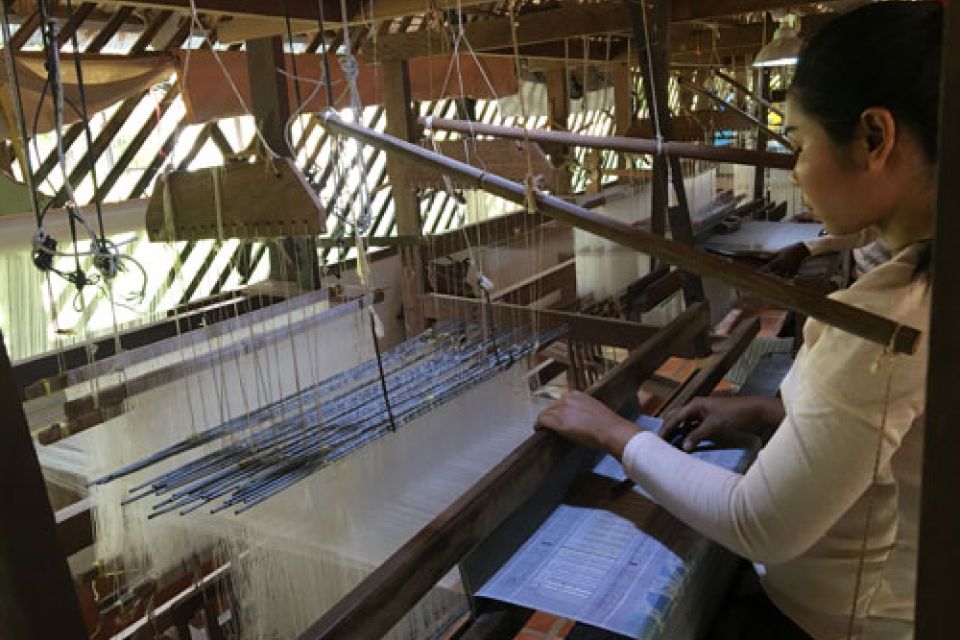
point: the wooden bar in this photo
(618, 143)
(37, 598)
(939, 562)
(713, 368)
(562, 277)
(652, 289)
(374, 606)
(46, 372)
(401, 122)
(848, 318)
(593, 329)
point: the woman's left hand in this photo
(579, 417)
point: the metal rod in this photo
(899, 338)
(614, 143)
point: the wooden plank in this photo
(34, 576)
(43, 373)
(500, 229)
(74, 527)
(939, 562)
(69, 28)
(845, 317)
(371, 609)
(561, 277)
(254, 200)
(593, 329)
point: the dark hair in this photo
(886, 54)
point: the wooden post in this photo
(37, 597)
(298, 261)
(763, 89)
(939, 560)
(653, 56)
(622, 98)
(622, 105)
(401, 122)
(558, 95)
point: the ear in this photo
(877, 131)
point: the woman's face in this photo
(836, 189)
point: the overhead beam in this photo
(358, 11)
(541, 34)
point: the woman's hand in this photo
(723, 420)
(579, 417)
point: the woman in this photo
(829, 510)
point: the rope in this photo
(868, 516)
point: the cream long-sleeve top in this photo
(801, 508)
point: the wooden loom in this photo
(509, 484)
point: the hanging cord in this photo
(654, 110)
(884, 358)
(531, 199)
(374, 326)
(350, 67)
(84, 116)
(195, 17)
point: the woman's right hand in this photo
(728, 421)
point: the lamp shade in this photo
(782, 50)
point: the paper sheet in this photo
(615, 561)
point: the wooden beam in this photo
(622, 99)
(298, 260)
(500, 229)
(593, 329)
(374, 606)
(37, 598)
(845, 317)
(558, 97)
(401, 122)
(359, 11)
(562, 277)
(939, 561)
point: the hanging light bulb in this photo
(784, 49)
